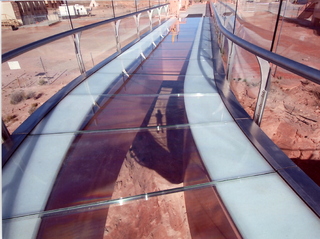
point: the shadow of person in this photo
(149, 153)
(159, 117)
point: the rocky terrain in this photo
(156, 217)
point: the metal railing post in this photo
(136, 5)
(76, 40)
(150, 18)
(159, 14)
(116, 31)
(231, 56)
(265, 70)
(166, 8)
(137, 21)
(114, 12)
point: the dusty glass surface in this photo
(104, 45)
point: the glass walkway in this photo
(146, 147)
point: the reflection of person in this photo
(174, 31)
(159, 120)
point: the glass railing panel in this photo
(155, 2)
(297, 37)
(244, 78)
(143, 4)
(155, 18)
(81, 13)
(144, 23)
(163, 13)
(30, 26)
(32, 78)
(291, 119)
(28, 34)
(101, 10)
(103, 45)
(127, 31)
(226, 12)
(124, 7)
(254, 22)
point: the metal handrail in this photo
(300, 69)
(18, 51)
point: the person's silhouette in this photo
(159, 120)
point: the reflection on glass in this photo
(103, 46)
(245, 79)
(124, 7)
(127, 31)
(144, 23)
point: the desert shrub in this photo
(30, 94)
(9, 118)
(38, 96)
(42, 82)
(33, 108)
(317, 94)
(17, 97)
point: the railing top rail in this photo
(23, 49)
(300, 69)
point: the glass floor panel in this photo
(181, 213)
(64, 170)
(164, 66)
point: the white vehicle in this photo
(74, 10)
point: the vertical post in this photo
(166, 7)
(150, 19)
(44, 69)
(235, 18)
(265, 70)
(136, 4)
(116, 31)
(231, 55)
(69, 14)
(92, 59)
(114, 13)
(276, 26)
(159, 15)
(76, 40)
(137, 21)
(5, 132)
